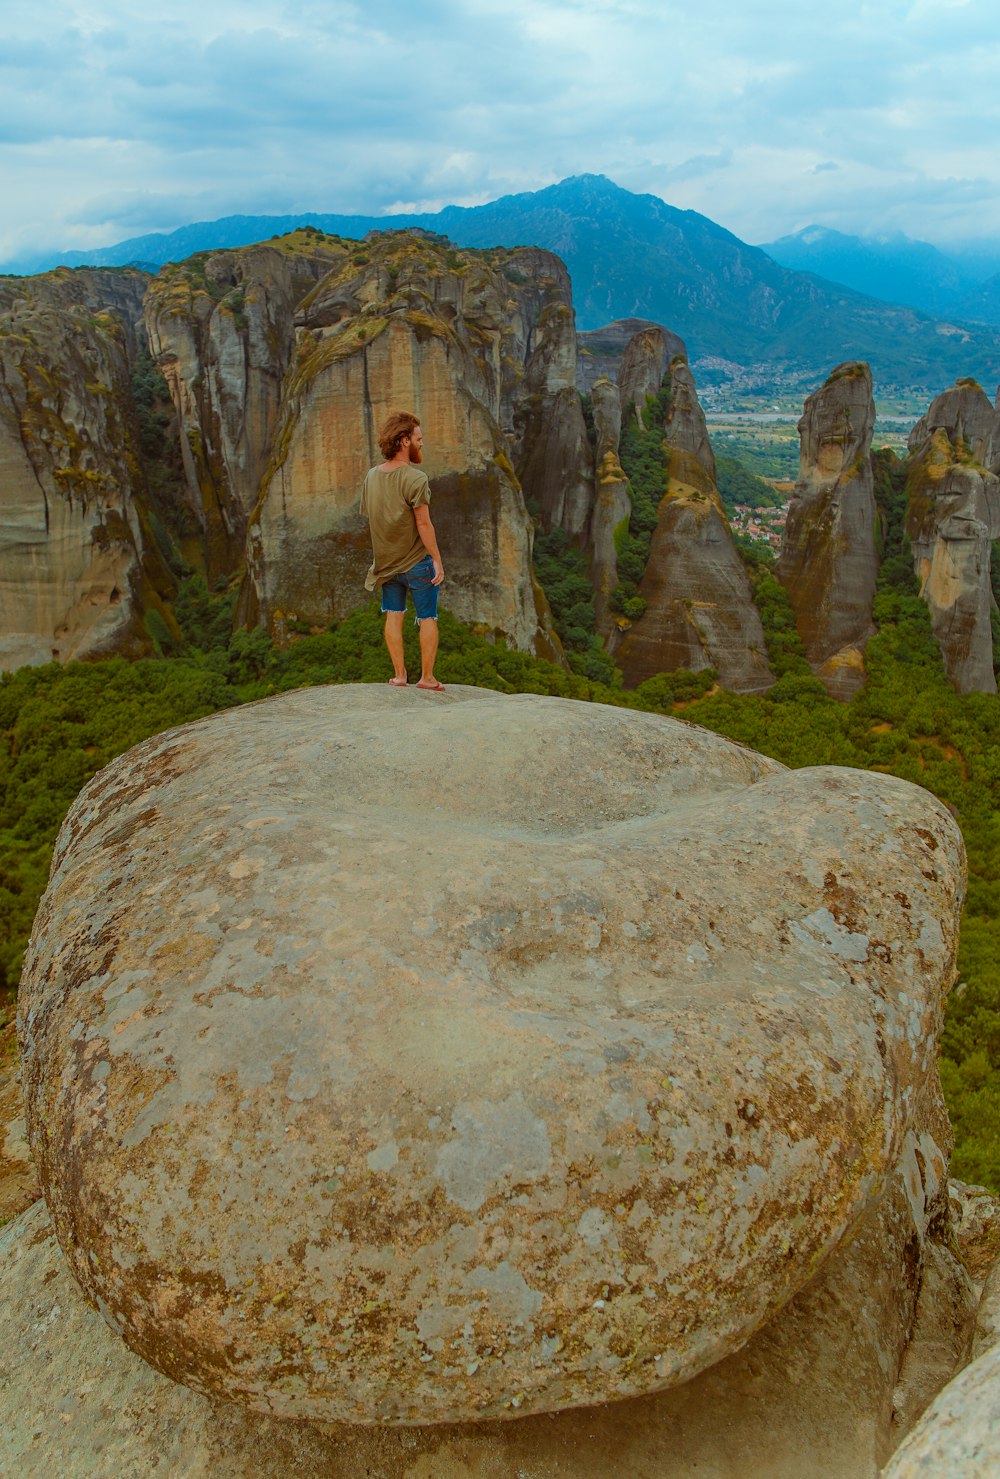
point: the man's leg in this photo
(394, 642)
(428, 651)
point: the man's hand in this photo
(438, 573)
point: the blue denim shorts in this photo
(418, 580)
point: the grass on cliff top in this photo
(60, 725)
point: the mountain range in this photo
(634, 256)
(898, 270)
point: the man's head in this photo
(401, 432)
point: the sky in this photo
(121, 117)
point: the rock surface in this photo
(829, 562)
(77, 567)
(221, 326)
(700, 611)
(809, 1396)
(285, 359)
(959, 1436)
(600, 351)
(953, 516)
(459, 1101)
(612, 504)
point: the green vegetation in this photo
(737, 485)
(762, 453)
(562, 573)
(643, 456)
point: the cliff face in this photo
(221, 328)
(612, 504)
(953, 516)
(405, 322)
(828, 562)
(699, 603)
(78, 565)
(643, 366)
(600, 351)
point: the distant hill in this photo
(895, 269)
(634, 256)
(982, 305)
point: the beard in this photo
(416, 454)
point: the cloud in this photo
(117, 119)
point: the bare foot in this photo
(398, 682)
(433, 685)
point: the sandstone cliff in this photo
(79, 565)
(829, 562)
(612, 504)
(600, 351)
(221, 328)
(953, 516)
(405, 321)
(699, 603)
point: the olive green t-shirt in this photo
(387, 501)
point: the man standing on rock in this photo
(395, 500)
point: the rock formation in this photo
(600, 351)
(567, 1112)
(829, 562)
(285, 359)
(808, 1396)
(959, 1437)
(699, 604)
(612, 504)
(953, 516)
(644, 364)
(79, 566)
(221, 328)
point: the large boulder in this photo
(406, 1059)
(829, 562)
(809, 1396)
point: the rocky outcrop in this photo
(644, 364)
(408, 322)
(612, 504)
(699, 603)
(79, 567)
(959, 1437)
(221, 328)
(953, 517)
(829, 561)
(559, 1137)
(551, 451)
(968, 420)
(600, 351)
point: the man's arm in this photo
(428, 539)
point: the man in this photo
(395, 500)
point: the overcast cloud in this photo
(117, 119)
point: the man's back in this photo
(388, 499)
